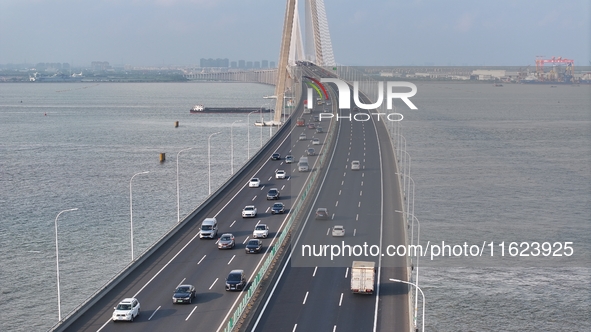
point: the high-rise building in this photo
(248, 64)
(257, 65)
(272, 64)
(241, 64)
(264, 64)
(233, 64)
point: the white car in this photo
(254, 183)
(355, 165)
(127, 309)
(249, 211)
(315, 141)
(338, 230)
(280, 174)
(260, 231)
(302, 137)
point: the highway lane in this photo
(355, 201)
(187, 259)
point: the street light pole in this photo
(209, 159)
(408, 201)
(423, 295)
(57, 265)
(248, 135)
(232, 146)
(178, 199)
(131, 209)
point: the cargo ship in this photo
(201, 109)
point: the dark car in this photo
(254, 246)
(318, 129)
(236, 280)
(275, 156)
(278, 208)
(310, 152)
(273, 194)
(311, 126)
(183, 294)
(322, 213)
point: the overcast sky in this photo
(369, 32)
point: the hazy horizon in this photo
(379, 33)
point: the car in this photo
(273, 194)
(355, 165)
(302, 137)
(275, 156)
(315, 141)
(316, 118)
(338, 230)
(127, 309)
(236, 280)
(311, 126)
(260, 230)
(321, 213)
(288, 159)
(183, 294)
(318, 129)
(226, 241)
(254, 183)
(253, 246)
(249, 211)
(280, 174)
(277, 208)
(310, 152)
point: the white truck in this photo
(303, 164)
(363, 277)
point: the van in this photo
(209, 228)
(303, 164)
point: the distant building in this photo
(264, 64)
(100, 65)
(233, 64)
(272, 64)
(256, 65)
(488, 75)
(241, 64)
(248, 64)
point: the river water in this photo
(489, 164)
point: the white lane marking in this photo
(305, 298)
(216, 280)
(339, 193)
(186, 319)
(294, 327)
(270, 178)
(328, 231)
(337, 203)
(362, 175)
(342, 182)
(245, 240)
(255, 197)
(340, 302)
(334, 329)
(154, 313)
(216, 241)
(359, 205)
(332, 217)
(357, 217)
(180, 283)
(258, 222)
(267, 210)
(314, 274)
(362, 183)
(283, 187)
(231, 259)
(354, 231)
(201, 259)
(263, 187)
(361, 193)
(346, 273)
(232, 224)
